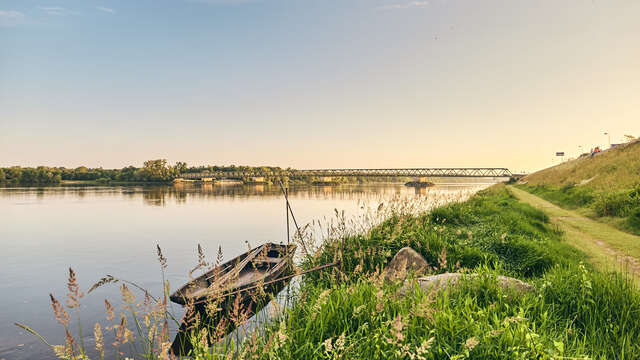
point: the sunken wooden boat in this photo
(243, 285)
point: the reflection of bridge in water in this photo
(328, 173)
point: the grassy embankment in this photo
(606, 247)
(605, 187)
(574, 310)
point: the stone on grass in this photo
(443, 281)
(404, 262)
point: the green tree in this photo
(14, 173)
(180, 167)
(157, 170)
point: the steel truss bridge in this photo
(410, 172)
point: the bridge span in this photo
(407, 172)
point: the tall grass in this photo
(350, 312)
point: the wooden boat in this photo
(244, 285)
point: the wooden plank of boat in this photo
(233, 284)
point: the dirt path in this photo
(607, 247)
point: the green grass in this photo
(605, 187)
(575, 311)
(620, 208)
(613, 170)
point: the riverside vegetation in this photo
(153, 171)
(349, 312)
(605, 187)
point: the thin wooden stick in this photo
(286, 196)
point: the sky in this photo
(315, 83)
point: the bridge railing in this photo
(409, 172)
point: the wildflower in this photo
(322, 299)
(97, 334)
(442, 259)
(282, 332)
(424, 347)
(69, 343)
(339, 344)
(357, 269)
(151, 334)
(514, 319)
(164, 350)
(59, 312)
(424, 309)
(161, 258)
(281, 336)
(59, 350)
(380, 303)
(204, 339)
(396, 328)
(471, 343)
(127, 295)
(74, 295)
(164, 334)
(109, 307)
(327, 346)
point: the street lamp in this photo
(580, 149)
(609, 138)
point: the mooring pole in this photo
(286, 210)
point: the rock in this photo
(442, 281)
(405, 261)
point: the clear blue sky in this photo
(305, 83)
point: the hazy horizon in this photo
(315, 84)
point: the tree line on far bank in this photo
(152, 171)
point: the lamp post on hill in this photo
(608, 138)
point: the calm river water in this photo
(114, 230)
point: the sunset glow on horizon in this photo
(315, 84)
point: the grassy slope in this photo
(573, 311)
(616, 169)
(606, 247)
(606, 186)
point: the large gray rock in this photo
(442, 281)
(404, 262)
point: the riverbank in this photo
(575, 310)
(351, 313)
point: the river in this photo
(115, 230)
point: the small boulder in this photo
(442, 281)
(405, 261)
